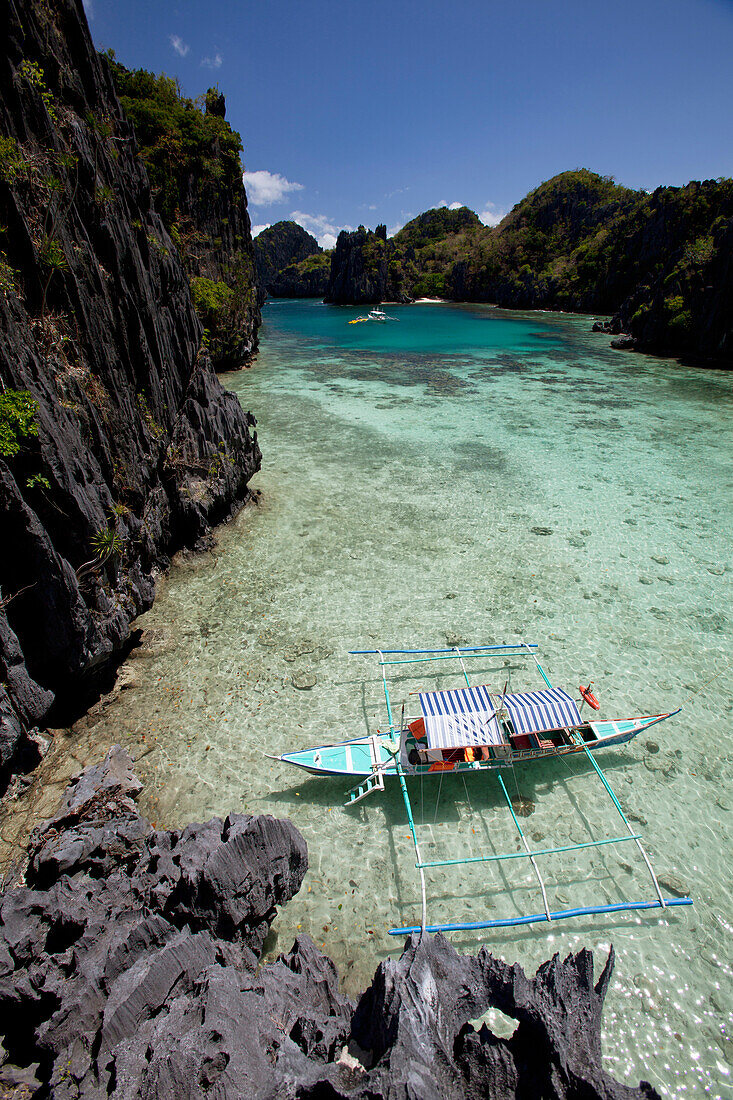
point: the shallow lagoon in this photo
(464, 474)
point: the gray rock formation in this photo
(196, 172)
(133, 448)
(624, 342)
(365, 269)
(128, 969)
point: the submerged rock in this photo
(674, 885)
(304, 681)
(128, 969)
(624, 342)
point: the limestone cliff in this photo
(118, 445)
(366, 268)
(683, 305)
(661, 262)
(193, 160)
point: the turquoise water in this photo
(467, 475)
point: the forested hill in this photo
(660, 262)
(281, 246)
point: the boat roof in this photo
(467, 716)
(539, 711)
(461, 716)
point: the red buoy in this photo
(589, 696)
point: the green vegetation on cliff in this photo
(431, 243)
(306, 279)
(18, 409)
(192, 157)
(179, 138)
(367, 267)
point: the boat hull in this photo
(361, 755)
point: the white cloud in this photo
(179, 45)
(491, 215)
(323, 229)
(449, 205)
(88, 8)
(214, 62)
(264, 188)
(257, 229)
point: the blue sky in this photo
(353, 113)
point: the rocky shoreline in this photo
(129, 968)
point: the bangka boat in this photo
(476, 729)
(373, 315)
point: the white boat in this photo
(376, 314)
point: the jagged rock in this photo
(413, 1022)
(204, 208)
(97, 826)
(128, 969)
(624, 342)
(136, 437)
(23, 702)
(361, 270)
(122, 930)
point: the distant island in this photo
(660, 264)
(290, 262)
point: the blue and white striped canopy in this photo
(538, 711)
(463, 716)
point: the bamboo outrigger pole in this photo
(405, 796)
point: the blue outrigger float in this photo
(470, 729)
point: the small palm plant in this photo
(106, 543)
(52, 256)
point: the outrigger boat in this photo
(472, 729)
(373, 315)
